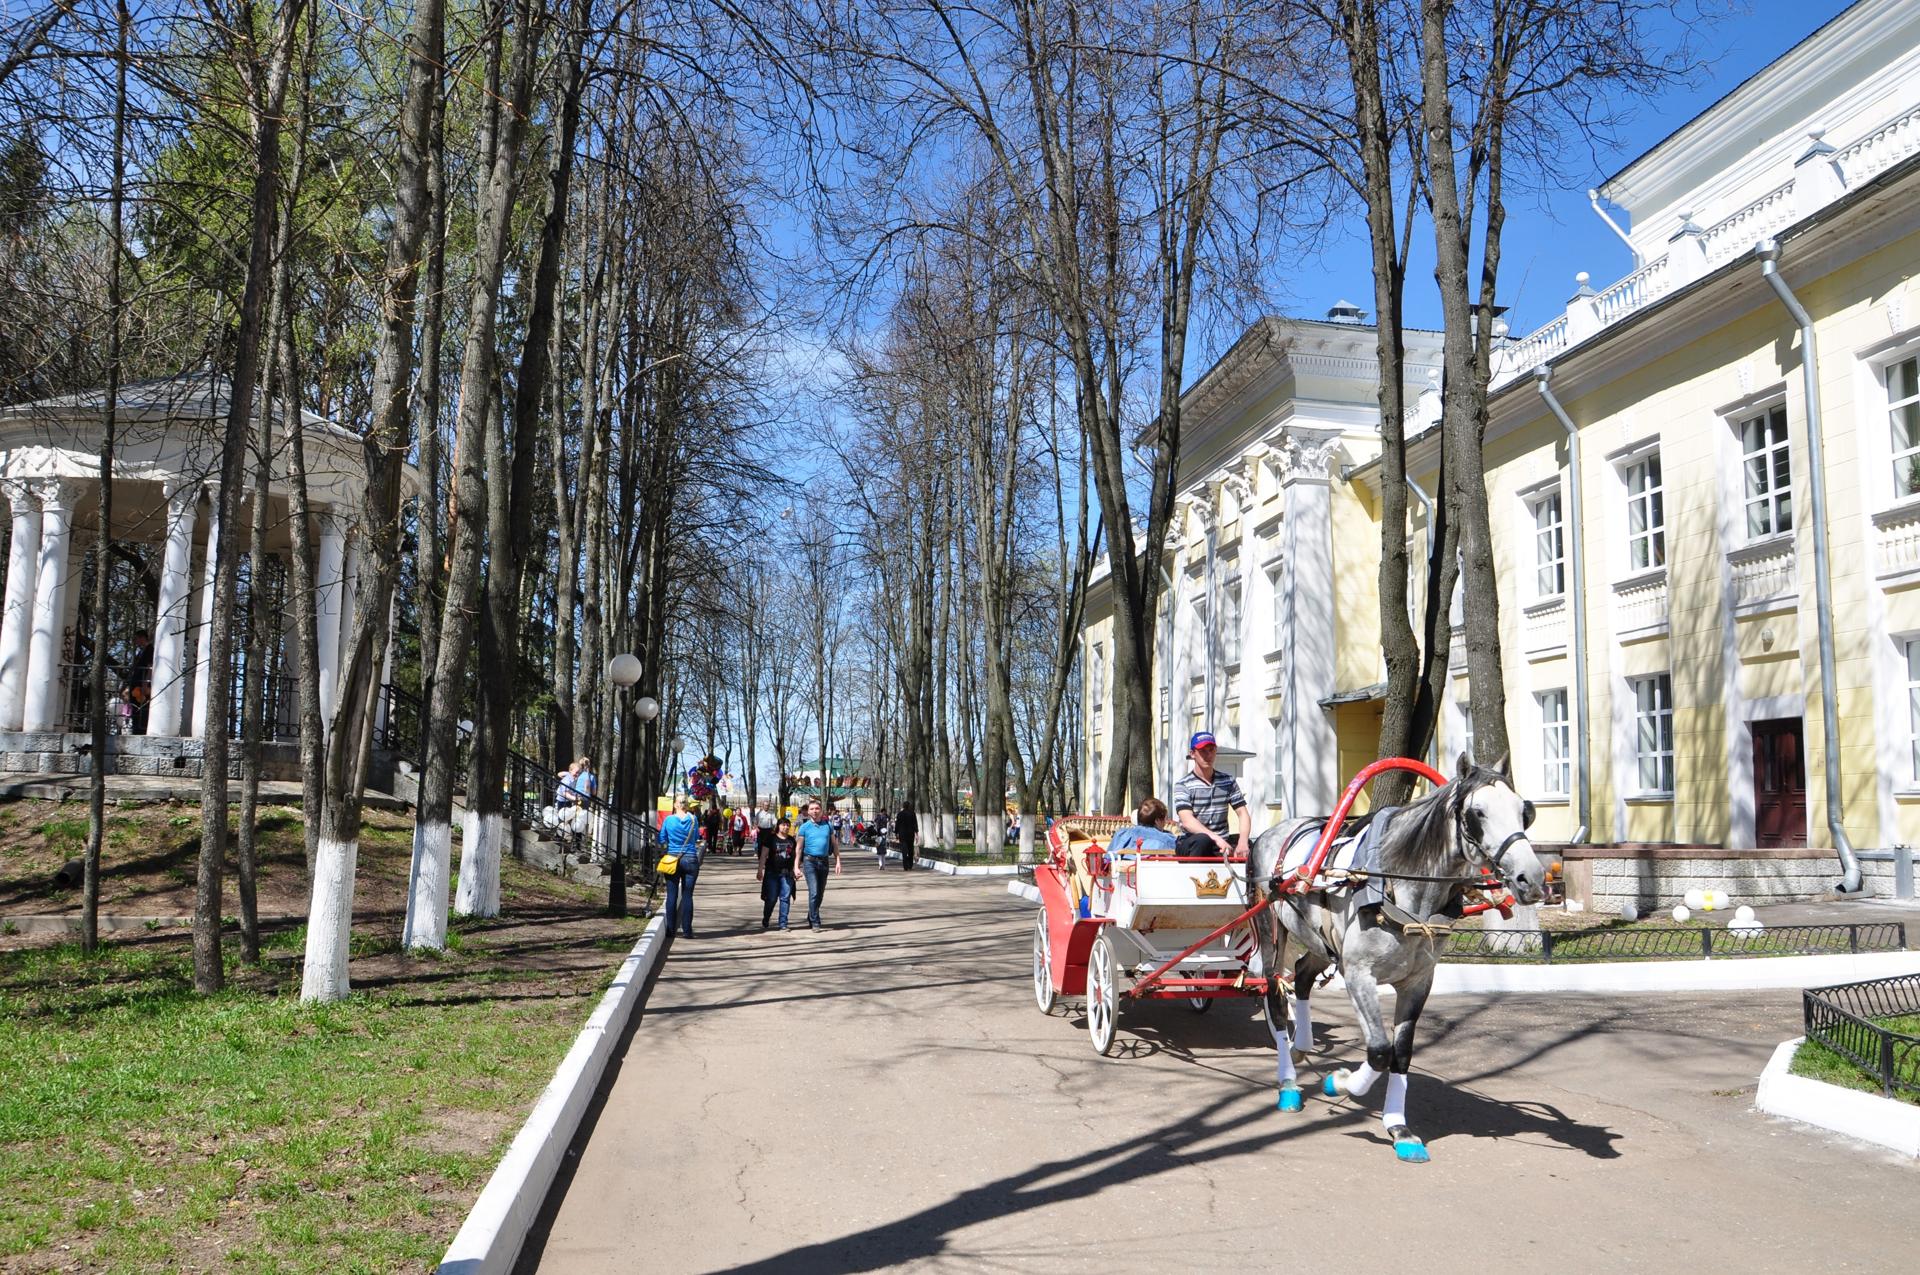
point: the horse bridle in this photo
(1491, 862)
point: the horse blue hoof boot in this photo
(1330, 1086)
(1407, 1147)
(1291, 1099)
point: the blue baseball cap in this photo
(1201, 739)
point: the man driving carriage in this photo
(1203, 801)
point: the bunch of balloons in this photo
(703, 780)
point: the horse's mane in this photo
(1419, 839)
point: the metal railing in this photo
(608, 832)
(1661, 943)
(1843, 1018)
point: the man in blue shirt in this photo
(818, 848)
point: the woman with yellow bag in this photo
(680, 865)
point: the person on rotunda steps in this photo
(1202, 801)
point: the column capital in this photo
(56, 493)
(1303, 455)
(18, 491)
(180, 492)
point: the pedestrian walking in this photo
(906, 830)
(819, 850)
(680, 838)
(737, 832)
(710, 825)
(777, 852)
(1202, 800)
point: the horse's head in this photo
(1492, 820)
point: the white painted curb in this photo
(1752, 973)
(1742, 974)
(1868, 1117)
(490, 1239)
(959, 870)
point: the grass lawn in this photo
(143, 1128)
(1816, 1062)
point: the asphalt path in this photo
(885, 1094)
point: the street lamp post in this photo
(624, 672)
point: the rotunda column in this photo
(45, 683)
(170, 618)
(16, 624)
(203, 613)
(330, 588)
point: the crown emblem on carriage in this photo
(1212, 887)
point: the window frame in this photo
(1660, 715)
(1556, 743)
(1776, 498)
(1653, 498)
(1538, 501)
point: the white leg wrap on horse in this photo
(1361, 1079)
(1279, 1035)
(1302, 1026)
(1394, 1110)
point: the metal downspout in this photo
(1769, 253)
(1576, 497)
(1426, 503)
(1166, 673)
(1593, 198)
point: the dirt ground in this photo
(152, 850)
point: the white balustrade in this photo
(1898, 532)
(1881, 149)
(1733, 235)
(1640, 606)
(1544, 628)
(1764, 577)
(1644, 286)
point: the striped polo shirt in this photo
(1209, 802)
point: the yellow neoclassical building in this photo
(1657, 499)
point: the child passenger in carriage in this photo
(1149, 832)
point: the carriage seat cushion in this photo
(1142, 840)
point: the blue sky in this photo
(1550, 236)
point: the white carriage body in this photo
(1161, 905)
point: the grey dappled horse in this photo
(1475, 821)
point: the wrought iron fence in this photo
(1660, 943)
(1843, 1018)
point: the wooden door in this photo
(1779, 784)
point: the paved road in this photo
(885, 1094)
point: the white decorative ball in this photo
(1696, 898)
(1628, 912)
(547, 816)
(1750, 926)
(1682, 913)
(1742, 914)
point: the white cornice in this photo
(1776, 101)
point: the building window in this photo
(1556, 743)
(1097, 681)
(1466, 731)
(1653, 732)
(1911, 648)
(1230, 625)
(1549, 545)
(1277, 610)
(1903, 419)
(1646, 515)
(1768, 472)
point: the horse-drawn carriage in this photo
(1371, 896)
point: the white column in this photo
(203, 614)
(329, 588)
(1307, 577)
(44, 683)
(16, 626)
(170, 616)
